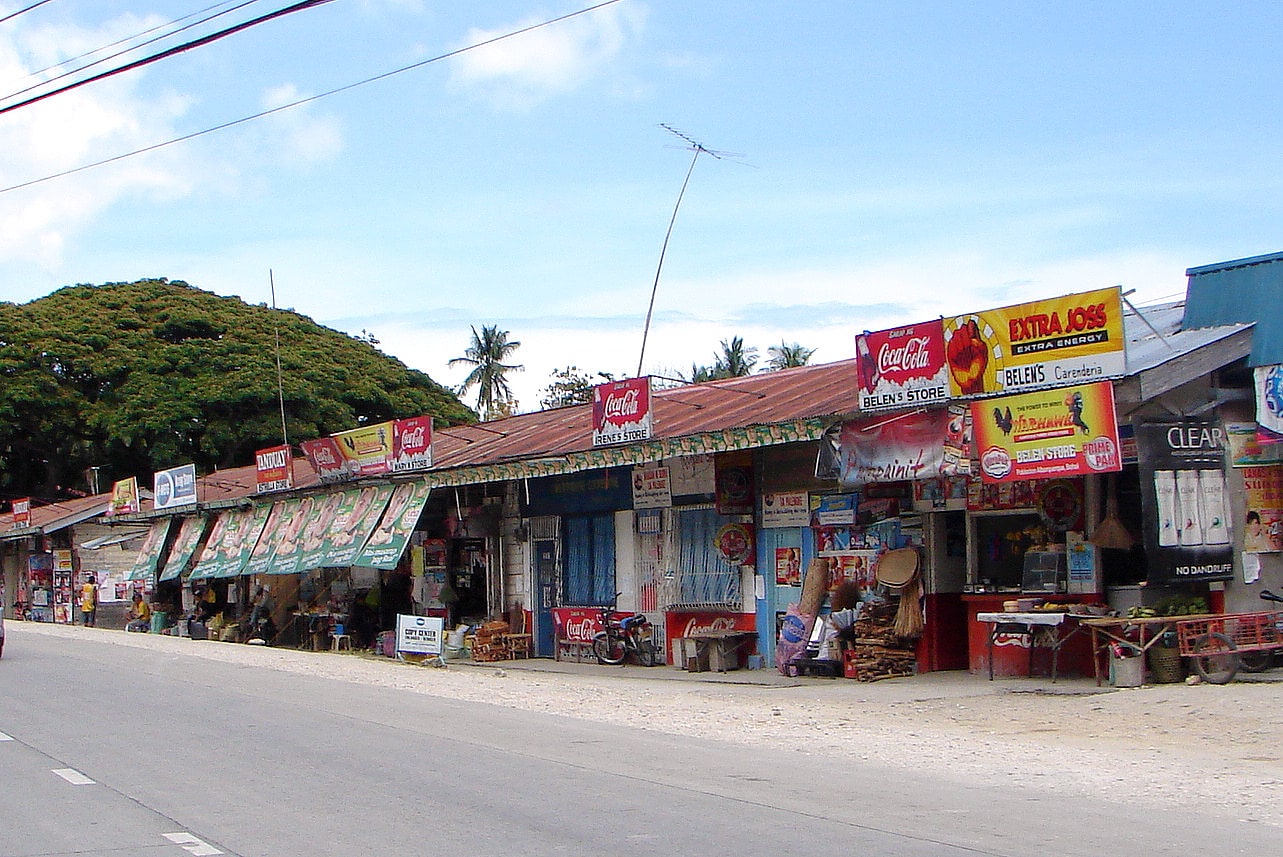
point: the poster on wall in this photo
(651, 488)
(1069, 431)
(1269, 403)
(786, 509)
(1184, 500)
(892, 449)
(735, 493)
(902, 367)
(1243, 442)
(788, 566)
(1263, 521)
(1073, 339)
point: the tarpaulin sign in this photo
(903, 367)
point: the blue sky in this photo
(895, 162)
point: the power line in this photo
(70, 72)
(311, 98)
(186, 46)
(20, 11)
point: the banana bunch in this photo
(1141, 612)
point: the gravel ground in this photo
(1214, 749)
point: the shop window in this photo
(590, 560)
(701, 577)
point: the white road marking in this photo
(73, 776)
(4, 737)
(191, 844)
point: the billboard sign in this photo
(411, 444)
(902, 368)
(22, 512)
(174, 487)
(1074, 339)
(274, 469)
(124, 498)
(621, 411)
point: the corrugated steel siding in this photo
(1241, 292)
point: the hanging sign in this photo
(1070, 431)
(902, 368)
(22, 512)
(274, 469)
(786, 509)
(1068, 340)
(621, 411)
(1184, 499)
(892, 449)
(384, 546)
(651, 488)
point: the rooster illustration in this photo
(1002, 421)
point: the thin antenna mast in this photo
(280, 386)
(699, 149)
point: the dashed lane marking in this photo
(191, 844)
(4, 737)
(73, 776)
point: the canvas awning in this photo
(385, 545)
(189, 533)
(149, 553)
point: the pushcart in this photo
(1214, 643)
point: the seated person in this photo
(139, 615)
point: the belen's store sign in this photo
(621, 412)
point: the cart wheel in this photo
(1256, 662)
(1216, 658)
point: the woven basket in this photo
(1165, 665)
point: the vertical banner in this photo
(149, 554)
(1072, 339)
(384, 547)
(621, 411)
(189, 533)
(902, 368)
(1067, 431)
(1184, 500)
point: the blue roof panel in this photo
(1239, 292)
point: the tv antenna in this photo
(699, 149)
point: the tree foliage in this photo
(570, 386)
(788, 355)
(485, 354)
(138, 377)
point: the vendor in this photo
(139, 615)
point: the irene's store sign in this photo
(1068, 340)
(621, 412)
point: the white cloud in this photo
(521, 71)
(297, 136)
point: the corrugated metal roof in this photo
(1240, 292)
(1147, 349)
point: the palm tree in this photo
(485, 354)
(786, 356)
(735, 360)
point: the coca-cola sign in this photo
(621, 411)
(412, 444)
(902, 367)
(326, 459)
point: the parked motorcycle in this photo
(623, 638)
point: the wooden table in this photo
(1140, 635)
(720, 649)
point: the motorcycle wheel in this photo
(609, 649)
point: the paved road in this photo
(120, 751)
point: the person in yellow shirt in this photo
(139, 615)
(89, 601)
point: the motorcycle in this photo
(622, 638)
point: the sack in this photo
(795, 631)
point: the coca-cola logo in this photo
(415, 437)
(621, 407)
(324, 457)
(695, 627)
(580, 629)
(913, 356)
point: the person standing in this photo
(89, 600)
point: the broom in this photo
(908, 616)
(1110, 532)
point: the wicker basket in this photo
(1165, 664)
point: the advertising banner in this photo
(1068, 340)
(786, 509)
(260, 557)
(327, 460)
(651, 488)
(910, 446)
(174, 487)
(902, 368)
(274, 469)
(236, 554)
(208, 563)
(1263, 523)
(1245, 448)
(1184, 500)
(354, 522)
(1268, 381)
(411, 444)
(124, 498)
(189, 533)
(367, 449)
(621, 411)
(22, 512)
(419, 635)
(149, 554)
(311, 540)
(1069, 431)
(384, 547)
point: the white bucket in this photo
(455, 639)
(1126, 672)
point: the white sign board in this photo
(651, 488)
(419, 635)
(786, 509)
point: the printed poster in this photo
(1268, 381)
(1246, 449)
(892, 449)
(788, 566)
(786, 509)
(1068, 431)
(903, 367)
(1263, 522)
(1074, 339)
(384, 547)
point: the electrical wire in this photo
(20, 11)
(186, 46)
(311, 98)
(70, 72)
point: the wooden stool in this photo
(339, 642)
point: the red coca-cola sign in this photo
(621, 411)
(326, 459)
(412, 444)
(902, 367)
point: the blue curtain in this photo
(590, 560)
(706, 578)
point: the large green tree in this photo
(136, 377)
(485, 354)
(570, 386)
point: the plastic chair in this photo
(340, 642)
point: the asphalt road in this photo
(118, 751)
